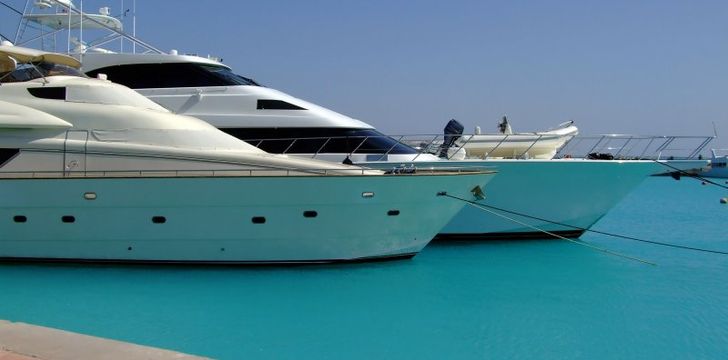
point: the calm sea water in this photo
(506, 299)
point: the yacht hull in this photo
(227, 220)
(563, 197)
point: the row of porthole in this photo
(162, 219)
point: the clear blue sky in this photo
(648, 67)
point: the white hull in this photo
(718, 165)
(211, 219)
(567, 192)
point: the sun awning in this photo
(25, 55)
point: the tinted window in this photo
(320, 140)
(170, 75)
(276, 105)
(26, 72)
(56, 93)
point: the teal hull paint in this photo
(573, 192)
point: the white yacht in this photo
(91, 170)
(563, 196)
(559, 196)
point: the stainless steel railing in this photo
(638, 147)
(349, 171)
(579, 146)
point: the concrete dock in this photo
(20, 341)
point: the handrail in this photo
(637, 146)
(523, 154)
(349, 171)
(623, 146)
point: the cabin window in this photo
(310, 214)
(20, 218)
(320, 140)
(172, 75)
(159, 219)
(68, 219)
(258, 220)
(27, 72)
(54, 93)
(276, 105)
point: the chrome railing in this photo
(637, 147)
(344, 171)
(315, 147)
(618, 146)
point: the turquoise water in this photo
(506, 299)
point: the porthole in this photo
(310, 214)
(258, 220)
(159, 219)
(68, 219)
(393, 212)
(20, 218)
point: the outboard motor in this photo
(453, 131)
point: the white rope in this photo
(578, 242)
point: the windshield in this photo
(171, 75)
(226, 74)
(320, 140)
(27, 72)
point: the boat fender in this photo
(724, 200)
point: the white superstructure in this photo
(91, 170)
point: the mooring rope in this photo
(578, 242)
(684, 247)
(696, 176)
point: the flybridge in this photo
(43, 20)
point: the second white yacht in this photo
(564, 197)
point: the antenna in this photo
(122, 17)
(80, 31)
(715, 130)
(133, 25)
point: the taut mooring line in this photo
(695, 176)
(578, 242)
(684, 247)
